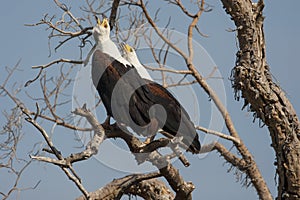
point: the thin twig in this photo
(222, 135)
(61, 60)
(168, 70)
(64, 8)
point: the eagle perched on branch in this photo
(130, 95)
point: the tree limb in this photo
(113, 13)
(252, 172)
(222, 135)
(143, 185)
(252, 81)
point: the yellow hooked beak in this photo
(105, 23)
(127, 48)
(98, 21)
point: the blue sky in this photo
(209, 174)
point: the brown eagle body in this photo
(143, 105)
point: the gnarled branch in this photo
(252, 81)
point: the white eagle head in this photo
(101, 31)
(131, 57)
(129, 54)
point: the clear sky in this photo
(208, 173)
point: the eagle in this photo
(130, 95)
(178, 121)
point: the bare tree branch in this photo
(169, 70)
(144, 185)
(66, 9)
(222, 135)
(72, 175)
(182, 188)
(113, 13)
(230, 157)
(61, 60)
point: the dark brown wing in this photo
(177, 121)
(105, 77)
(116, 84)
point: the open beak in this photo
(98, 20)
(105, 23)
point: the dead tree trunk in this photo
(251, 80)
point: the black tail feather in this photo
(195, 146)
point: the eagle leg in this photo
(152, 129)
(107, 121)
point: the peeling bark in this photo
(251, 80)
(151, 189)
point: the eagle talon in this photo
(149, 140)
(106, 124)
(177, 140)
(107, 121)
